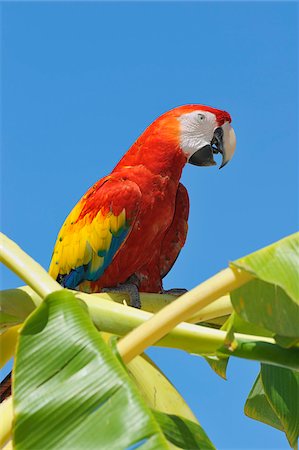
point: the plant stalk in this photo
(8, 341)
(26, 268)
(188, 304)
(6, 417)
(120, 320)
(264, 352)
(150, 302)
(114, 318)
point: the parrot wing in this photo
(94, 231)
(176, 234)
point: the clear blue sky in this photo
(80, 82)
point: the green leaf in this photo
(271, 300)
(257, 406)
(218, 364)
(70, 390)
(157, 391)
(182, 432)
(277, 264)
(240, 325)
(159, 394)
(274, 399)
(15, 307)
(267, 306)
(282, 389)
(286, 342)
(233, 324)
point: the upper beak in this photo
(224, 142)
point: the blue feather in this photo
(82, 273)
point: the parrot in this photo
(128, 229)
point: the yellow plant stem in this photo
(26, 268)
(115, 318)
(150, 303)
(188, 304)
(155, 302)
(8, 342)
(6, 417)
(118, 319)
(219, 308)
(8, 446)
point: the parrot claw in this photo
(130, 289)
(175, 291)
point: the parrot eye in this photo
(201, 117)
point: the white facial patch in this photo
(197, 129)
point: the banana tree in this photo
(81, 378)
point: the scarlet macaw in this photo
(128, 229)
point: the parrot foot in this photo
(130, 289)
(175, 291)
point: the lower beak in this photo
(224, 142)
(203, 157)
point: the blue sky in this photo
(80, 82)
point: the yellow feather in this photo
(67, 240)
(99, 217)
(122, 219)
(101, 231)
(102, 245)
(106, 220)
(53, 269)
(79, 242)
(96, 262)
(94, 241)
(108, 241)
(113, 224)
(63, 264)
(76, 257)
(59, 252)
(82, 245)
(87, 254)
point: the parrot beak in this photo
(224, 142)
(203, 157)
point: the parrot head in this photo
(189, 133)
(201, 132)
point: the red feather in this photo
(144, 184)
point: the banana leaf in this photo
(15, 307)
(271, 300)
(71, 391)
(274, 400)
